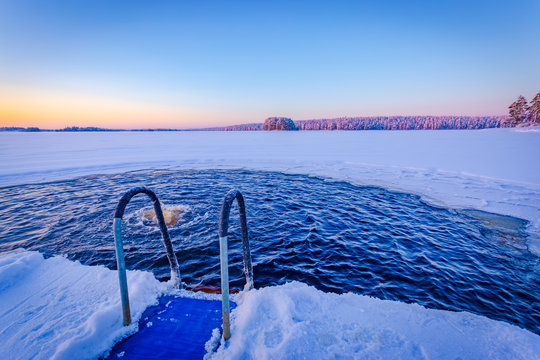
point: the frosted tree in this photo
(269, 124)
(518, 111)
(279, 123)
(534, 109)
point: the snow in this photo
(298, 321)
(59, 309)
(493, 170)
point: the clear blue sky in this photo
(198, 63)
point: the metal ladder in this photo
(173, 262)
(120, 258)
(224, 257)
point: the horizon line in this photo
(248, 123)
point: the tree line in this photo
(404, 123)
(374, 123)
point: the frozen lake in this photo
(507, 154)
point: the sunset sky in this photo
(185, 64)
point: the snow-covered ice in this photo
(296, 321)
(59, 309)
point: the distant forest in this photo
(403, 123)
(376, 123)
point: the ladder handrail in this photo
(223, 254)
(120, 258)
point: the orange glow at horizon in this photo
(23, 107)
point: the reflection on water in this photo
(333, 235)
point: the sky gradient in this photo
(185, 64)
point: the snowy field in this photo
(70, 315)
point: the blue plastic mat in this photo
(176, 328)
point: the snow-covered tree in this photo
(518, 111)
(279, 123)
(534, 109)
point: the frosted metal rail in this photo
(223, 254)
(120, 258)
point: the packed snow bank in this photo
(58, 309)
(299, 322)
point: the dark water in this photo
(333, 235)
